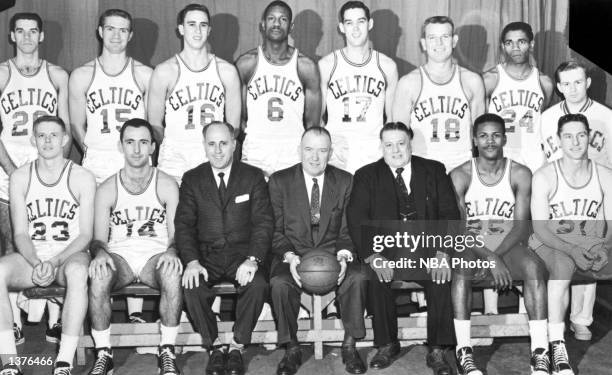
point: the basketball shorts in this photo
(351, 153)
(20, 156)
(103, 163)
(270, 155)
(136, 259)
(175, 160)
(46, 250)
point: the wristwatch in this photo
(254, 259)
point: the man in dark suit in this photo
(402, 189)
(309, 201)
(223, 231)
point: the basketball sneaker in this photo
(54, 334)
(18, 333)
(166, 361)
(465, 362)
(104, 362)
(136, 317)
(10, 370)
(62, 368)
(560, 359)
(540, 362)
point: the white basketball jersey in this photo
(138, 221)
(520, 103)
(24, 99)
(197, 99)
(355, 99)
(490, 207)
(53, 211)
(599, 117)
(275, 100)
(111, 100)
(441, 120)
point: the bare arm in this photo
(103, 204)
(474, 88)
(233, 94)
(142, 74)
(390, 69)
(169, 194)
(19, 217)
(311, 80)
(490, 82)
(246, 68)
(547, 86)
(161, 80)
(5, 160)
(326, 65)
(406, 93)
(59, 78)
(79, 81)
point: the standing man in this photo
(491, 177)
(321, 193)
(573, 82)
(406, 188)
(52, 203)
(357, 84)
(134, 240)
(440, 99)
(281, 93)
(571, 197)
(224, 225)
(188, 91)
(518, 92)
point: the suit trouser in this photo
(381, 304)
(351, 295)
(251, 297)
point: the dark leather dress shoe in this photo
(290, 362)
(385, 355)
(216, 363)
(438, 363)
(352, 361)
(234, 365)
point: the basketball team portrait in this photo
(231, 187)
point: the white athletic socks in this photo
(538, 330)
(7, 342)
(556, 331)
(168, 335)
(101, 338)
(68, 346)
(462, 331)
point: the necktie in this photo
(315, 208)
(404, 199)
(222, 187)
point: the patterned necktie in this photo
(222, 187)
(315, 208)
(404, 198)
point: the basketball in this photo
(319, 271)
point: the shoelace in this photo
(560, 355)
(168, 365)
(541, 361)
(467, 361)
(100, 366)
(9, 371)
(62, 371)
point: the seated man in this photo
(224, 225)
(297, 192)
(136, 206)
(491, 177)
(52, 202)
(571, 197)
(407, 189)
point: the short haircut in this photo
(572, 117)
(319, 130)
(25, 16)
(569, 65)
(488, 117)
(353, 5)
(136, 123)
(114, 13)
(180, 18)
(229, 127)
(396, 126)
(438, 20)
(49, 118)
(277, 3)
(517, 26)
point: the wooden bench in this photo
(316, 330)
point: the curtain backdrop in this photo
(70, 29)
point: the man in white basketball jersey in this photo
(281, 94)
(571, 198)
(573, 82)
(52, 203)
(519, 93)
(357, 87)
(440, 99)
(188, 91)
(494, 193)
(136, 206)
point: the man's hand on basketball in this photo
(293, 261)
(191, 276)
(98, 268)
(502, 279)
(246, 272)
(43, 274)
(582, 258)
(169, 263)
(442, 273)
(343, 266)
(381, 268)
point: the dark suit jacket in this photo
(291, 205)
(243, 223)
(374, 196)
